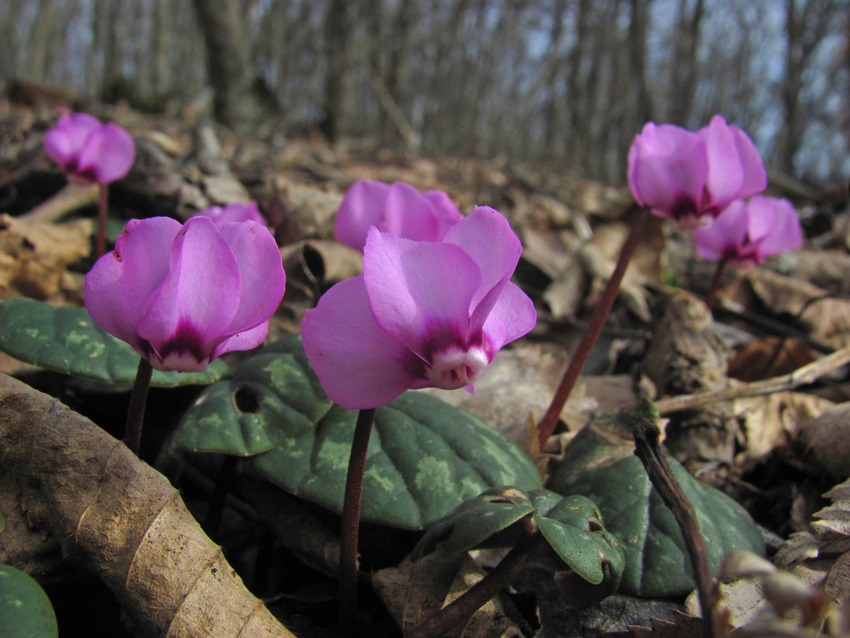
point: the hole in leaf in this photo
(246, 400)
(594, 525)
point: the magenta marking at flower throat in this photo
(187, 339)
(451, 360)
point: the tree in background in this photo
(564, 81)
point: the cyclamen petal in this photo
(688, 176)
(359, 364)
(118, 286)
(88, 151)
(233, 212)
(398, 209)
(107, 154)
(409, 321)
(735, 168)
(787, 233)
(183, 295)
(747, 233)
(407, 285)
(183, 320)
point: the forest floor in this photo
(776, 451)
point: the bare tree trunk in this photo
(685, 67)
(10, 55)
(161, 66)
(642, 108)
(237, 102)
(549, 73)
(395, 78)
(337, 40)
(793, 83)
(41, 39)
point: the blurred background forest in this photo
(565, 82)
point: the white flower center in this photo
(454, 368)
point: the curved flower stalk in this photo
(182, 295)
(692, 177)
(684, 176)
(398, 209)
(746, 233)
(422, 314)
(89, 152)
(233, 212)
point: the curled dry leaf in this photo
(34, 258)
(22, 547)
(767, 357)
(415, 591)
(814, 551)
(687, 355)
(124, 521)
(771, 421)
(825, 318)
(311, 209)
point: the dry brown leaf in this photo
(550, 253)
(311, 209)
(521, 381)
(687, 355)
(838, 581)
(34, 258)
(743, 599)
(32, 551)
(124, 521)
(827, 441)
(773, 420)
(768, 357)
(830, 531)
(684, 626)
(413, 592)
(827, 269)
(827, 319)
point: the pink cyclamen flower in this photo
(88, 151)
(182, 295)
(688, 176)
(398, 209)
(422, 314)
(747, 233)
(234, 212)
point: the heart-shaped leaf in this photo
(271, 398)
(425, 458)
(25, 610)
(67, 340)
(572, 526)
(600, 465)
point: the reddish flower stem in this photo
(477, 596)
(351, 522)
(711, 295)
(591, 333)
(136, 411)
(100, 246)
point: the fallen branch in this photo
(124, 521)
(803, 376)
